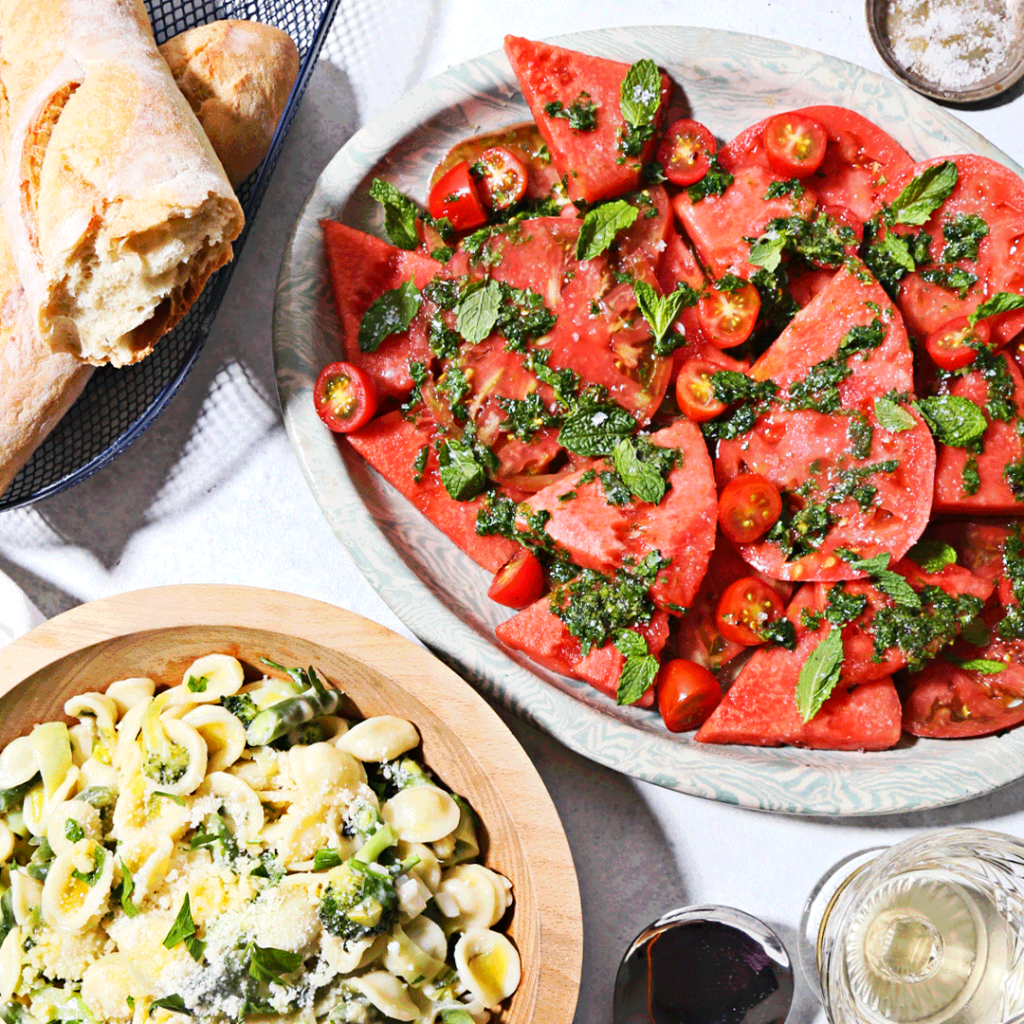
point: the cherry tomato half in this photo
(954, 345)
(728, 317)
(519, 582)
(501, 177)
(454, 196)
(695, 393)
(748, 507)
(345, 397)
(795, 144)
(746, 607)
(685, 152)
(687, 694)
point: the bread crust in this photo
(116, 205)
(237, 77)
(37, 386)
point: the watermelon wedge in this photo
(542, 636)
(848, 479)
(362, 269)
(760, 708)
(602, 536)
(555, 82)
(391, 444)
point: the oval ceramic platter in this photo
(728, 81)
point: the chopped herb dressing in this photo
(594, 607)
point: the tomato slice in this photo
(949, 702)
(687, 694)
(728, 317)
(795, 144)
(695, 393)
(454, 196)
(345, 397)
(685, 152)
(748, 507)
(519, 582)
(500, 177)
(953, 346)
(746, 607)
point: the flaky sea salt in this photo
(954, 44)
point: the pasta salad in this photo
(221, 850)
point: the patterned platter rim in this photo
(730, 80)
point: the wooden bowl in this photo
(159, 632)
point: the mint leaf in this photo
(400, 214)
(819, 674)
(889, 582)
(640, 93)
(768, 249)
(896, 248)
(390, 314)
(184, 930)
(173, 1002)
(660, 310)
(127, 888)
(478, 312)
(462, 474)
(644, 479)
(923, 195)
(892, 416)
(73, 831)
(932, 555)
(197, 685)
(639, 670)
(594, 427)
(268, 964)
(91, 878)
(601, 225)
(954, 420)
(986, 666)
(1001, 302)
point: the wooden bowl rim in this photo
(555, 889)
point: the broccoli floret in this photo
(166, 767)
(358, 902)
(242, 706)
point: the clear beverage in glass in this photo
(930, 931)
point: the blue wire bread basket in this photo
(118, 404)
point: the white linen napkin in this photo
(17, 613)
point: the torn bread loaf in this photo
(37, 385)
(116, 205)
(236, 76)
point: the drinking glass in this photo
(929, 931)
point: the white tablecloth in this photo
(213, 494)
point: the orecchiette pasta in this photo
(159, 860)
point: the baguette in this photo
(116, 205)
(37, 385)
(236, 76)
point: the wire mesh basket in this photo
(119, 403)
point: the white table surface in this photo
(213, 494)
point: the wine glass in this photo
(929, 931)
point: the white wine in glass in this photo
(930, 931)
